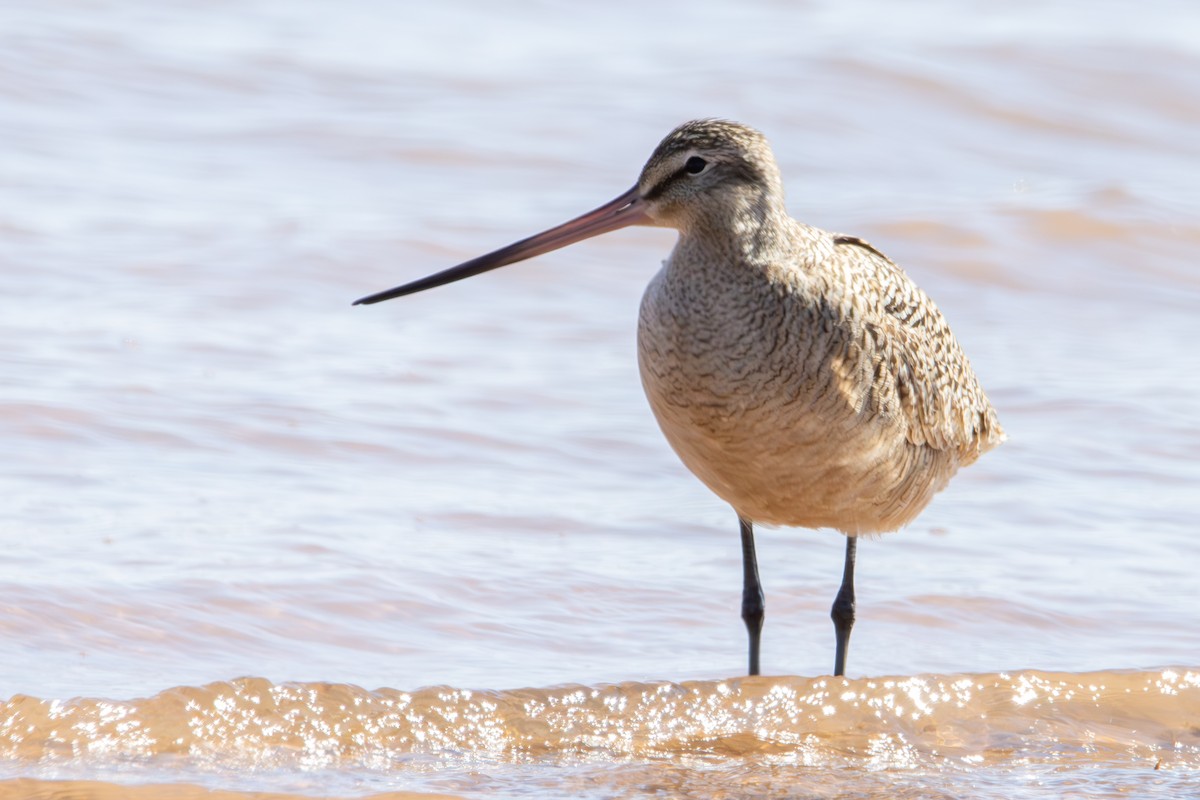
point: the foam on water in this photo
(748, 735)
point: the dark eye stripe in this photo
(660, 187)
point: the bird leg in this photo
(843, 609)
(752, 593)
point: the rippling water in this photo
(215, 467)
(923, 736)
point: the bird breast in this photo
(775, 388)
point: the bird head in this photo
(709, 175)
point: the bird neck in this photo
(753, 231)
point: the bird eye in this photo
(695, 165)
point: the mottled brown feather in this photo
(801, 375)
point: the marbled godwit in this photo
(800, 374)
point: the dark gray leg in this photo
(843, 608)
(752, 593)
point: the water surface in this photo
(217, 468)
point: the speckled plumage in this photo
(800, 374)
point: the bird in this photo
(800, 374)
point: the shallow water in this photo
(216, 467)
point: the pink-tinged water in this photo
(214, 467)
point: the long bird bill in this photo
(626, 210)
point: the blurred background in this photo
(214, 466)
